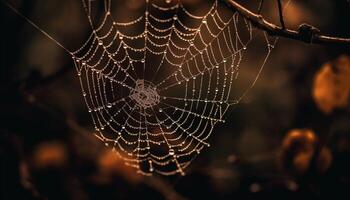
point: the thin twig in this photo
(46, 80)
(280, 12)
(155, 182)
(306, 33)
(260, 6)
(164, 188)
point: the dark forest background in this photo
(288, 139)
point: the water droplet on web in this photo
(118, 80)
(171, 152)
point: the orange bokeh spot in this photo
(331, 87)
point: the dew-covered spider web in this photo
(156, 85)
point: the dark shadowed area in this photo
(288, 138)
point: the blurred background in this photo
(289, 138)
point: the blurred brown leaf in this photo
(50, 154)
(299, 148)
(331, 87)
(111, 165)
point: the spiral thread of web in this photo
(155, 96)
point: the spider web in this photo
(157, 85)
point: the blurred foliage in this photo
(290, 138)
(331, 87)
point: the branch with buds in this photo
(305, 33)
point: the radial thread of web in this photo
(156, 92)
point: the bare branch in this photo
(306, 33)
(280, 12)
(260, 6)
